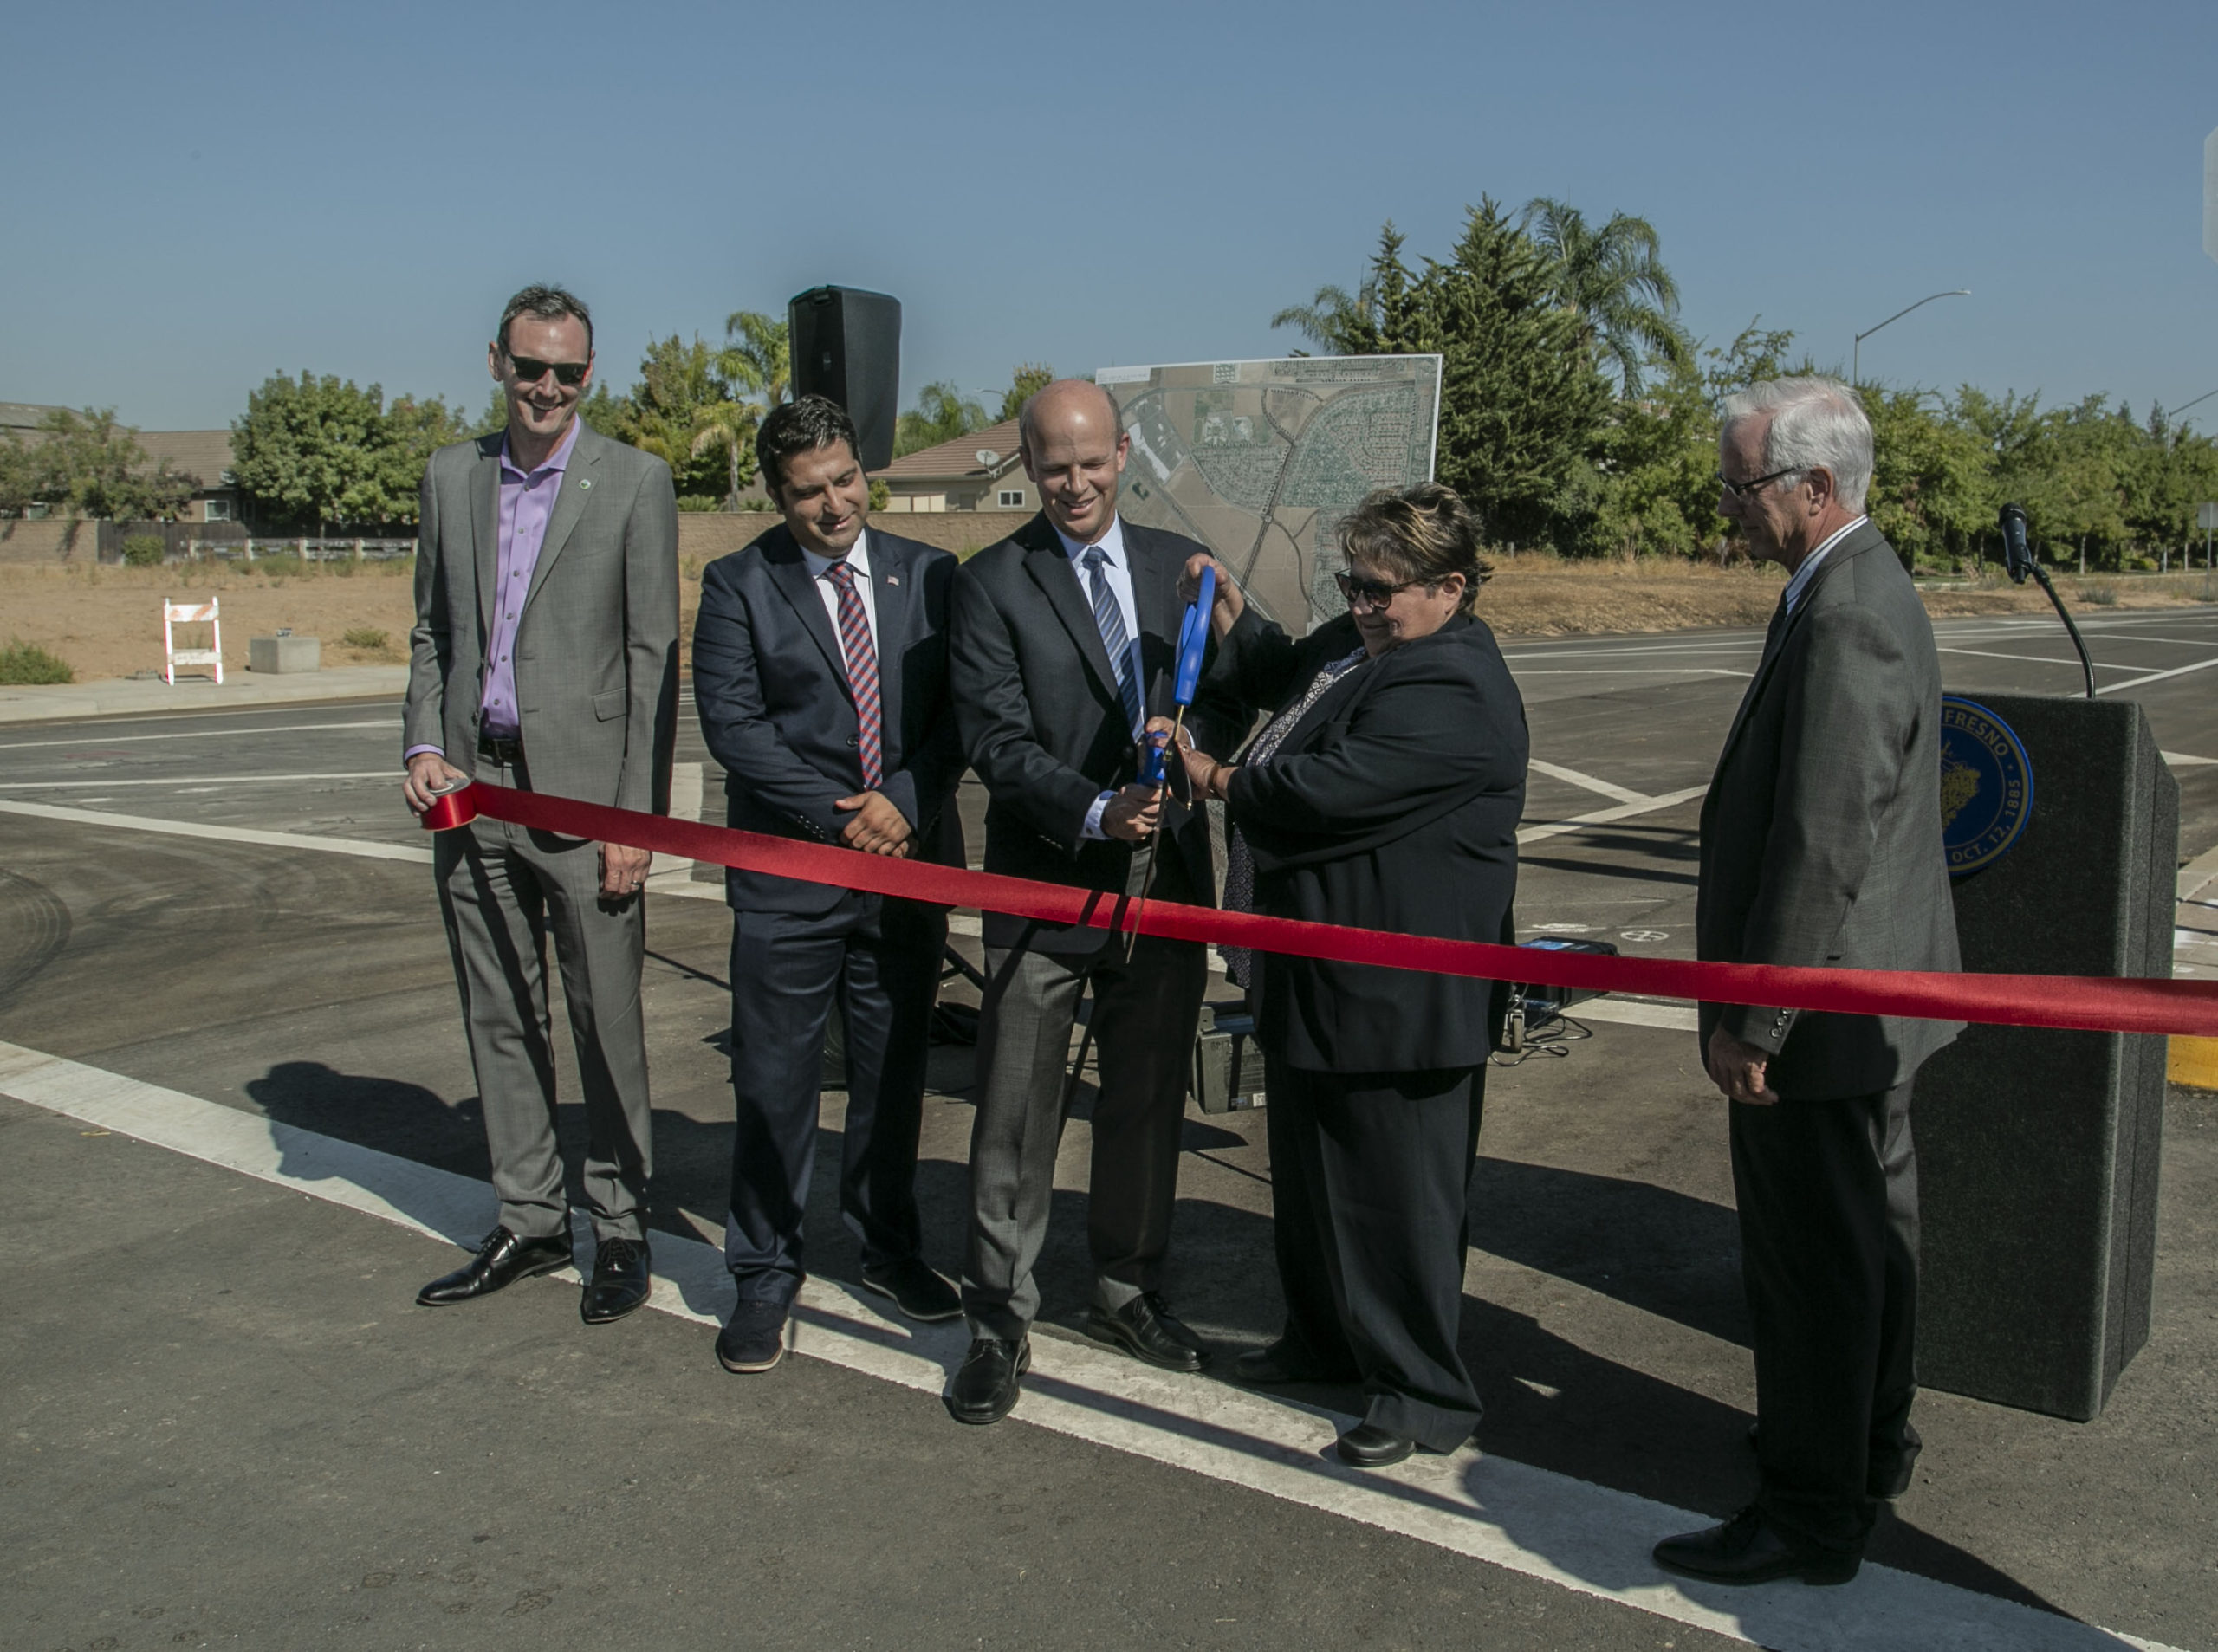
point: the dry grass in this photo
(105, 622)
(1547, 596)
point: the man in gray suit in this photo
(1821, 845)
(545, 658)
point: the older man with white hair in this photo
(1821, 845)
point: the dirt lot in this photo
(106, 621)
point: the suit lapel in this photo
(892, 593)
(1052, 572)
(789, 573)
(486, 525)
(569, 504)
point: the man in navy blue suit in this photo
(820, 670)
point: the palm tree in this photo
(1358, 325)
(730, 425)
(758, 356)
(1614, 278)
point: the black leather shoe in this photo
(501, 1261)
(1888, 1477)
(1367, 1445)
(1147, 1331)
(986, 1386)
(1749, 1549)
(918, 1292)
(1267, 1367)
(621, 1280)
(754, 1339)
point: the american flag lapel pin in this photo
(894, 579)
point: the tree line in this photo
(1577, 415)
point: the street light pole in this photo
(2197, 402)
(1855, 354)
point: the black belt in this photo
(499, 749)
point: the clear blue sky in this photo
(196, 196)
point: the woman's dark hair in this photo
(548, 304)
(802, 425)
(1419, 534)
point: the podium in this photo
(2038, 1150)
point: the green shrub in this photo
(365, 637)
(144, 550)
(285, 565)
(2101, 592)
(25, 664)
(701, 502)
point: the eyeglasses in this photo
(1375, 593)
(1738, 489)
(530, 371)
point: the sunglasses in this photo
(1375, 593)
(529, 371)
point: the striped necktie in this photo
(1111, 619)
(862, 671)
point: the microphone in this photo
(2020, 560)
(2017, 555)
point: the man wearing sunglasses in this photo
(1821, 845)
(545, 658)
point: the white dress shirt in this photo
(857, 558)
(1119, 571)
(1808, 570)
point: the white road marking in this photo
(218, 833)
(392, 774)
(1586, 1538)
(2181, 760)
(2039, 659)
(2155, 676)
(1678, 1017)
(93, 739)
(1629, 670)
(1603, 817)
(1617, 792)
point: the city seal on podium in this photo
(1987, 785)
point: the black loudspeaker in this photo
(846, 345)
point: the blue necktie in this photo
(1110, 619)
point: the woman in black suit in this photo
(1385, 793)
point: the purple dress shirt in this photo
(527, 503)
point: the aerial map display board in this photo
(1261, 460)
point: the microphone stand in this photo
(2018, 560)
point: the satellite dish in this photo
(987, 457)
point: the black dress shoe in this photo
(501, 1261)
(621, 1280)
(1147, 1331)
(986, 1387)
(918, 1292)
(754, 1339)
(1749, 1549)
(1368, 1446)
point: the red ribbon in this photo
(2094, 1004)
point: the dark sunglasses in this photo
(1375, 593)
(1738, 489)
(530, 371)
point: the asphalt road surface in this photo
(239, 1117)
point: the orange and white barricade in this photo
(191, 613)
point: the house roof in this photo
(957, 461)
(204, 454)
(23, 416)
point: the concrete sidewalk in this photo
(123, 696)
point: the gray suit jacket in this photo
(596, 650)
(1821, 831)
